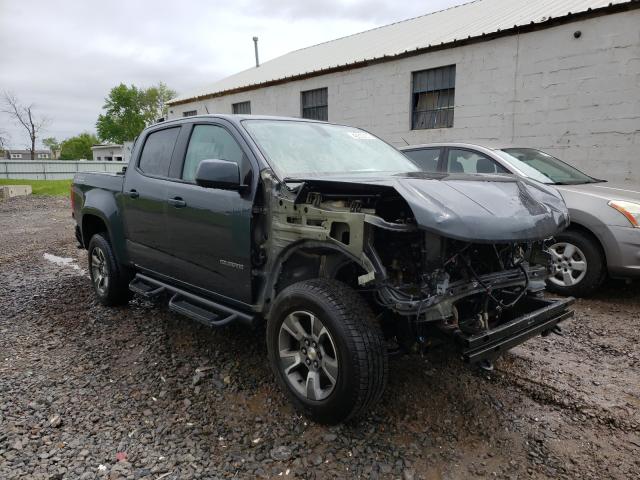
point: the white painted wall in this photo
(576, 98)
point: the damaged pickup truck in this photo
(333, 237)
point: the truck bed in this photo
(103, 180)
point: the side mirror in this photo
(218, 174)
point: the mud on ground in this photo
(139, 392)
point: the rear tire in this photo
(110, 280)
(326, 350)
(579, 264)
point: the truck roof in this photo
(235, 118)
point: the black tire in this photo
(596, 270)
(116, 289)
(360, 351)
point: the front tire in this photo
(578, 263)
(326, 350)
(110, 281)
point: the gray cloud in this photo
(64, 56)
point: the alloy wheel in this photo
(569, 264)
(99, 270)
(308, 355)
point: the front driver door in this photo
(210, 229)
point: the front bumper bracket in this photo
(536, 316)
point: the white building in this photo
(112, 152)
(560, 75)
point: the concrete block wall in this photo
(577, 98)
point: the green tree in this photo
(155, 102)
(129, 109)
(123, 118)
(53, 145)
(78, 147)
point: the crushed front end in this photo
(462, 258)
(488, 298)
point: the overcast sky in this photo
(65, 55)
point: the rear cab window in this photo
(157, 151)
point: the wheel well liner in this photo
(92, 224)
(303, 249)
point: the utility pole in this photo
(255, 46)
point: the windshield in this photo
(302, 149)
(543, 167)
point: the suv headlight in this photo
(628, 209)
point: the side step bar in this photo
(145, 289)
(197, 308)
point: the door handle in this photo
(177, 202)
(133, 193)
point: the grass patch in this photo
(41, 187)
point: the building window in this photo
(16, 155)
(108, 159)
(189, 113)
(98, 158)
(315, 104)
(43, 155)
(118, 159)
(433, 98)
(242, 108)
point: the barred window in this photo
(189, 113)
(433, 96)
(242, 108)
(315, 104)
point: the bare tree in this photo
(4, 139)
(23, 115)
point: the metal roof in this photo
(479, 19)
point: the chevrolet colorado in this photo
(332, 237)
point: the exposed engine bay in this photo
(418, 279)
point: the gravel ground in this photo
(139, 392)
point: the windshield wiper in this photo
(578, 182)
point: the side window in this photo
(157, 151)
(426, 158)
(466, 161)
(210, 142)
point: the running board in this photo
(199, 313)
(145, 289)
(197, 308)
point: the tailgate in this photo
(534, 316)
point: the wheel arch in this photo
(93, 222)
(579, 227)
(308, 259)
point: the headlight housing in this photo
(630, 210)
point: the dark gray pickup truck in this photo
(331, 236)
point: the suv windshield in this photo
(543, 167)
(302, 149)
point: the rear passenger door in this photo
(426, 158)
(463, 160)
(144, 199)
(210, 229)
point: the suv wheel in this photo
(110, 281)
(578, 264)
(326, 350)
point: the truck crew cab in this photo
(329, 235)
